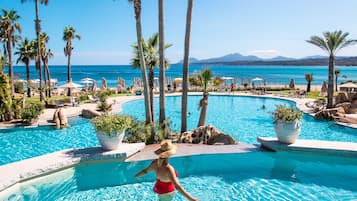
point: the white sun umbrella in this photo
(71, 85)
(87, 81)
(257, 79)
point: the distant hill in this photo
(238, 59)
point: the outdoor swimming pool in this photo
(241, 117)
(250, 176)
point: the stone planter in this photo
(287, 132)
(110, 143)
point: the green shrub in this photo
(19, 87)
(288, 114)
(31, 111)
(111, 124)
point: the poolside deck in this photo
(311, 146)
(193, 149)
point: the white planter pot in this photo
(110, 143)
(287, 132)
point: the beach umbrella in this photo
(87, 81)
(70, 85)
(178, 80)
(104, 83)
(243, 81)
(292, 84)
(257, 79)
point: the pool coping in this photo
(348, 149)
(24, 170)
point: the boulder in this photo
(87, 113)
(206, 135)
(221, 139)
(62, 117)
(341, 98)
(345, 106)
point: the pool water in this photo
(251, 176)
(241, 117)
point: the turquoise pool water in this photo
(251, 176)
(241, 117)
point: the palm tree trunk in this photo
(162, 62)
(331, 70)
(48, 77)
(151, 88)
(69, 78)
(203, 105)
(44, 76)
(336, 79)
(185, 67)
(137, 10)
(11, 72)
(38, 63)
(28, 79)
(308, 87)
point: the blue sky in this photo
(251, 27)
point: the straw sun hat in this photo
(166, 149)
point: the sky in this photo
(266, 28)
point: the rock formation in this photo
(60, 118)
(206, 135)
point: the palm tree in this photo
(162, 116)
(45, 54)
(150, 51)
(26, 53)
(331, 43)
(137, 11)
(337, 72)
(38, 32)
(202, 79)
(9, 26)
(185, 67)
(309, 78)
(69, 34)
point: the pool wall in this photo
(17, 172)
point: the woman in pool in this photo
(166, 175)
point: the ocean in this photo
(273, 74)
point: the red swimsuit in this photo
(164, 187)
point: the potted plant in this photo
(287, 123)
(110, 129)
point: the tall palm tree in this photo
(202, 79)
(38, 32)
(162, 116)
(337, 73)
(309, 78)
(9, 26)
(185, 67)
(331, 43)
(26, 53)
(150, 50)
(69, 34)
(45, 54)
(137, 11)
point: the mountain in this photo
(191, 60)
(279, 58)
(238, 59)
(230, 58)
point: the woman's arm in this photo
(174, 180)
(146, 170)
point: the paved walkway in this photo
(193, 149)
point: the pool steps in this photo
(311, 146)
(17, 172)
